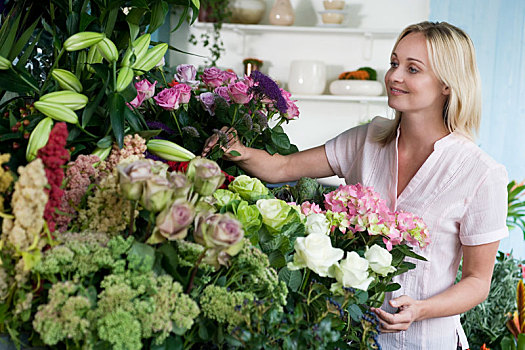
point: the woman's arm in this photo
(478, 264)
(275, 168)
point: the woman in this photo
(425, 162)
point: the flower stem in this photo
(132, 205)
(47, 76)
(194, 271)
(176, 122)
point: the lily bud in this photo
(206, 175)
(67, 80)
(101, 153)
(151, 58)
(38, 138)
(66, 98)
(132, 177)
(157, 193)
(82, 40)
(124, 78)
(107, 49)
(169, 150)
(4, 63)
(57, 112)
(93, 57)
(139, 47)
(173, 222)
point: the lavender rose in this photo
(222, 91)
(168, 99)
(217, 231)
(173, 221)
(186, 74)
(206, 175)
(239, 93)
(180, 183)
(157, 194)
(213, 77)
(208, 102)
(145, 88)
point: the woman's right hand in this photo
(234, 144)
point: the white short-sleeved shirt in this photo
(461, 194)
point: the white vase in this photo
(282, 13)
(307, 77)
(247, 11)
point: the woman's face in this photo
(412, 86)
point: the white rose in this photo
(353, 272)
(317, 223)
(380, 260)
(315, 251)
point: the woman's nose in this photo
(396, 75)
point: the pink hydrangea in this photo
(308, 208)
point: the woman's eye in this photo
(413, 70)
(393, 64)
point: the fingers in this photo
(209, 143)
(232, 141)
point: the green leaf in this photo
(72, 23)
(158, 14)
(110, 22)
(105, 142)
(392, 287)
(132, 119)
(277, 259)
(116, 108)
(521, 341)
(170, 258)
(293, 279)
(355, 312)
(85, 20)
(17, 82)
(6, 43)
(234, 153)
(361, 296)
(141, 257)
(88, 111)
(280, 140)
(28, 51)
(22, 41)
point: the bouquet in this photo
(194, 106)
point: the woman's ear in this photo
(445, 90)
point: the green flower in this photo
(224, 197)
(248, 188)
(249, 216)
(274, 212)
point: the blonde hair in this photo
(453, 61)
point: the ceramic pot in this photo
(282, 13)
(307, 77)
(247, 11)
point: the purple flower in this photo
(239, 92)
(159, 125)
(213, 77)
(229, 77)
(222, 91)
(266, 86)
(185, 92)
(208, 102)
(145, 88)
(186, 74)
(168, 99)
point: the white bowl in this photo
(356, 87)
(334, 4)
(332, 16)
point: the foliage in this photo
(485, 323)
(516, 210)
(33, 36)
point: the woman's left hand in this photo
(409, 310)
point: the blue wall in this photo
(497, 28)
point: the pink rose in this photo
(229, 77)
(292, 112)
(222, 91)
(213, 77)
(173, 221)
(145, 88)
(185, 92)
(137, 101)
(168, 99)
(186, 74)
(239, 92)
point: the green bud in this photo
(102, 154)
(82, 40)
(69, 99)
(93, 57)
(4, 63)
(57, 112)
(38, 138)
(107, 49)
(150, 59)
(169, 150)
(138, 47)
(67, 80)
(124, 78)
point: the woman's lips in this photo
(397, 92)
